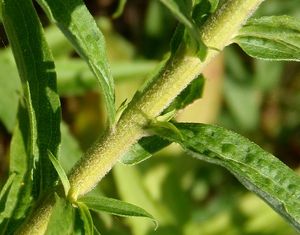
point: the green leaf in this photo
(191, 93)
(62, 217)
(144, 149)
(9, 87)
(6, 188)
(256, 169)
(36, 70)
(86, 218)
(271, 38)
(182, 10)
(3, 199)
(17, 199)
(120, 8)
(115, 207)
(61, 173)
(78, 25)
(203, 10)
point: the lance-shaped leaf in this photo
(9, 87)
(191, 93)
(4, 213)
(115, 207)
(271, 38)
(86, 218)
(256, 169)
(39, 118)
(17, 197)
(149, 145)
(78, 25)
(144, 149)
(61, 173)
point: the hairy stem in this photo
(178, 72)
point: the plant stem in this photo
(178, 72)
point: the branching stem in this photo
(178, 72)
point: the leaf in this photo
(61, 173)
(182, 10)
(271, 38)
(17, 199)
(75, 21)
(62, 217)
(115, 207)
(36, 70)
(256, 169)
(86, 218)
(191, 93)
(203, 10)
(144, 149)
(9, 87)
(3, 199)
(6, 187)
(120, 9)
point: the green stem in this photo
(37, 223)
(175, 76)
(179, 71)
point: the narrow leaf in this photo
(144, 149)
(9, 87)
(36, 70)
(78, 25)
(62, 217)
(271, 38)
(191, 93)
(6, 187)
(115, 207)
(182, 10)
(61, 173)
(17, 199)
(256, 169)
(86, 218)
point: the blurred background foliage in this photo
(259, 99)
